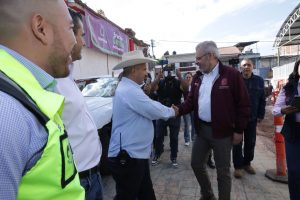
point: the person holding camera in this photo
(132, 130)
(169, 91)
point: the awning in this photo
(289, 33)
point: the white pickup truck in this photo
(99, 96)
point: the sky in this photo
(179, 25)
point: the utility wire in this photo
(183, 41)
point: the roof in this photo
(289, 33)
(83, 5)
(233, 50)
(78, 5)
(244, 44)
(225, 52)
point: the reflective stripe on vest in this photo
(54, 176)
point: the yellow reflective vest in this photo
(54, 176)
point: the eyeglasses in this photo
(200, 57)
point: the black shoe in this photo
(155, 161)
(174, 162)
(211, 164)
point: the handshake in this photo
(176, 109)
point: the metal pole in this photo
(152, 45)
(107, 64)
(278, 56)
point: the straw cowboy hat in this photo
(132, 58)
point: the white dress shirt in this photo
(204, 100)
(82, 131)
(133, 112)
(280, 102)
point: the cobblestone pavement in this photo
(266, 129)
(180, 183)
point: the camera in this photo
(169, 70)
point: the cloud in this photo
(281, 1)
(169, 19)
(175, 20)
(266, 36)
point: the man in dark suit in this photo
(221, 108)
(242, 157)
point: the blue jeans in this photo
(193, 125)
(293, 165)
(187, 122)
(92, 186)
(240, 157)
(161, 129)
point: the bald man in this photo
(36, 40)
(243, 152)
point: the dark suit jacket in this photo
(230, 105)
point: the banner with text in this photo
(102, 35)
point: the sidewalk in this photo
(180, 183)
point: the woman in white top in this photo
(291, 129)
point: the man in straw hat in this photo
(132, 130)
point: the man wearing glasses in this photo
(221, 110)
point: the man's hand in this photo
(176, 109)
(288, 110)
(237, 138)
(147, 88)
(154, 84)
(160, 75)
(178, 74)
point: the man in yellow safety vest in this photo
(36, 39)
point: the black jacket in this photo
(169, 91)
(255, 88)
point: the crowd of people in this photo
(49, 144)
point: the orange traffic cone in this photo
(279, 174)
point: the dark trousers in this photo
(293, 165)
(203, 144)
(161, 130)
(154, 126)
(242, 157)
(193, 126)
(133, 180)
